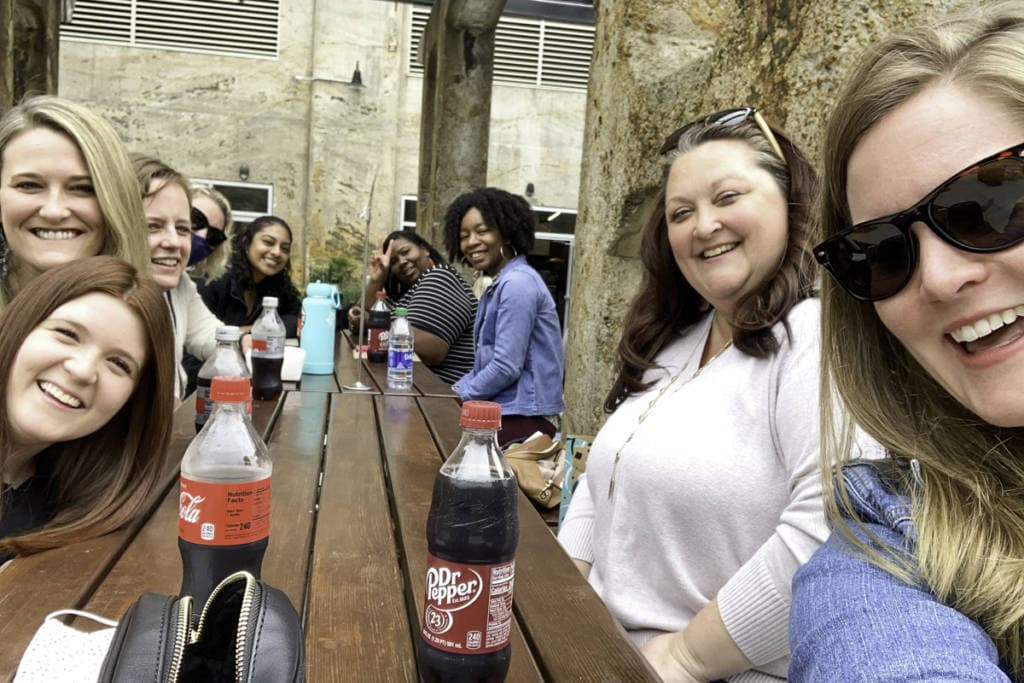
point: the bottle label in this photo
(378, 339)
(468, 606)
(400, 359)
(224, 513)
(203, 405)
(268, 347)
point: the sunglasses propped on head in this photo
(980, 210)
(726, 117)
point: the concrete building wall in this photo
(318, 143)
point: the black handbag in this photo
(248, 632)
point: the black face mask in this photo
(202, 247)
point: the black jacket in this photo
(226, 299)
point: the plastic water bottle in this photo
(267, 352)
(224, 501)
(226, 361)
(400, 352)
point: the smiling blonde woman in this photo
(924, 342)
(67, 191)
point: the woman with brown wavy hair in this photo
(701, 496)
(86, 403)
(922, 215)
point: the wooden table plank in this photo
(379, 372)
(356, 579)
(295, 447)
(428, 383)
(70, 573)
(322, 383)
(578, 639)
(443, 419)
(412, 461)
(347, 368)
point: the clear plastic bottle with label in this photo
(472, 534)
(224, 499)
(226, 361)
(267, 352)
(400, 350)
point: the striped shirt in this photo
(441, 302)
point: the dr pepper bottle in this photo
(472, 533)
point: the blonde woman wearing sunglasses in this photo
(924, 185)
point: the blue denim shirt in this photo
(853, 621)
(519, 358)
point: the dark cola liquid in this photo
(471, 522)
(203, 387)
(204, 566)
(266, 378)
(379, 322)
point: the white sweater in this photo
(717, 494)
(195, 328)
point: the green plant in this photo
(342, 270)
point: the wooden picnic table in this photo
(352, 481)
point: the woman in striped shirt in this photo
(440, 302)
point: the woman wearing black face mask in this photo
(211, 230)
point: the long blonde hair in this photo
(111, 171)
(968, 501)
(214, 265)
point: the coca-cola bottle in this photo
(379, 322)
(267, 352)
(472, 532)
(226, 361)
(224, 502)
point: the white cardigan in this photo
(195, 327)
(717, 494)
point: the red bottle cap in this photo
(481, 415)
(229, 389)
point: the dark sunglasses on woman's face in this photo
(980, 210)
(199, 220)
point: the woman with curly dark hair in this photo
(260, 266)
(519, 356)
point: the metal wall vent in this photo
(535, 52)
(247, 29)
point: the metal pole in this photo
(358, 385)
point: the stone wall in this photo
(318, 143)
(659, 64)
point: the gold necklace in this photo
(662, 392)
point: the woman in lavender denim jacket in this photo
(519, 357)
(921, 579)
